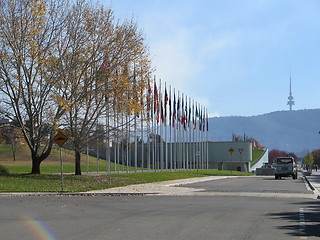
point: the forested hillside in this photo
(290, 131)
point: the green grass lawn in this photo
(18, 178)
(72, 183)
(256, 154)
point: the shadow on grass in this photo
(306, 222)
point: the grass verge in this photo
(52, 183)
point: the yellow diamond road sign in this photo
(231, 150)
(60, 138)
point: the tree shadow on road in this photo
(306, 222)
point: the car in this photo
(285, 167)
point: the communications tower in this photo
(290, 98)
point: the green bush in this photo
(3, 171)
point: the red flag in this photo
(165, 103)
(182, 111)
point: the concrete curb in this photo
(313, 188)
(57, 194)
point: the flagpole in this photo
(116, 167)
(135, 144)
(161, 127)
(178, 132)
(135, 121)
(155, 124)
(186, 133)
(149, 120)
(165, 126)
(115, 138)
(207, 137)
(124, 142)
(189, 131)
(174, 114)
(170, 129)
(142, 139)
(198, 146)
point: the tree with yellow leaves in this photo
(28, 33)
(105, 55)
(62, 65)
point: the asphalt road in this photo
(168, 217)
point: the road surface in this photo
(229, 208)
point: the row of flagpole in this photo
(172, 130)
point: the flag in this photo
(207, 121)
(184, 117)
(204, 120)
(193, 114)
(170, 108)
(166, 99)
(182, 120)
(189, 114)
(174, 109)
(200, 118)
(162, 112)
(186, 114)
(178, 110)
(155, 100)
(149, 99)
(196, 117)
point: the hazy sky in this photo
(233, 56)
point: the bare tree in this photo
(70, 60)
(28, 33)
(103, 55)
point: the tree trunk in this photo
(77, 161)
(35, 166)
(37, 159)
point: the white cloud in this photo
(173, 62)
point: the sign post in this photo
(60, 139)
(231, 150)
(240, 150)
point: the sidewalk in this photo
(163, 188)
(314, 181)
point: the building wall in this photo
(189, 155)
(219, 152)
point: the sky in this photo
(234, 57)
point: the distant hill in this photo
(290, 131)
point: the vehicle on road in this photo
(285, 167)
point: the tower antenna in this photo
(290, 98)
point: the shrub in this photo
(3, 171)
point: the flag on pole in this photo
(149, 99)
(155, 96)
(178, 110)
(189, 114)
(207, 121)
(183, 116)
(200, 119)
(166, 99)
(174, 108)
(196, 117)
(156, 102)
(161, 112)
(170, 107)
